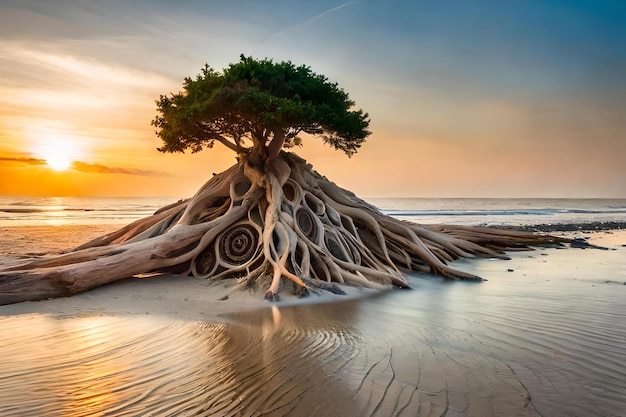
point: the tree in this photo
(260, 102)
(270, 219)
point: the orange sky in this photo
(498, 111)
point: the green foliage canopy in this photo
(262, 103)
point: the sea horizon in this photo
(498, 211)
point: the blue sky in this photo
(467, 98)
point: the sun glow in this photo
(58, 152)
(58, 162)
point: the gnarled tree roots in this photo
(283, 225)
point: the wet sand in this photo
(30, 241)
(544, 336)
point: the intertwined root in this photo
(284, 223)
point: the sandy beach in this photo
(543, 336)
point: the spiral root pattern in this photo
(241, 188)
(205, 261)
(238, 244)
(335, 246)
(306, 223)
(290, 191)
(315, 204)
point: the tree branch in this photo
(227, 143)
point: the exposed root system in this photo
(281, 226)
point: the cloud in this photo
(28, 161)
(87, 167)
(44, 64)
(334, 9)
(307, 21)
(101, 169)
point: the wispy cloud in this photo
(85, 167)
(102, 169)
(24, 160)
(309, 20)
(74, 67)
(334, 9)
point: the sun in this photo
(58, 161)
(57, 152)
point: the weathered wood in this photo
(285, 221)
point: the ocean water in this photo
(65, 211)
(504, 211)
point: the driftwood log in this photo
(286, 227)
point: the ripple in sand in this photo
(322, 360)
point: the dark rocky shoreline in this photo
(570, 227)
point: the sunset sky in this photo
(467, 98)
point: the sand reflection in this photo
(145, 366)
(103, 365)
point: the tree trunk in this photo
(275, 146)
